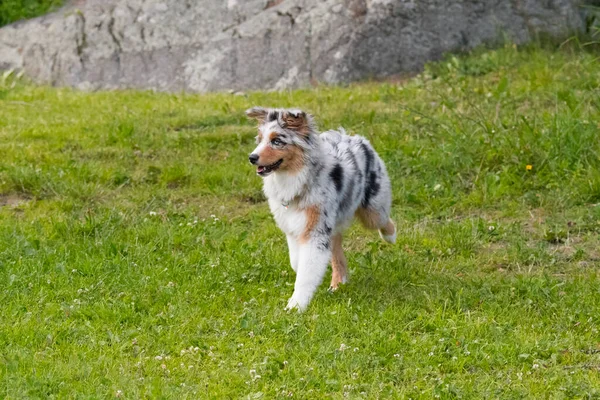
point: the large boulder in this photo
(210, 45)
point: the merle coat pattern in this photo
(316, 184)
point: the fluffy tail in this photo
(388, 232)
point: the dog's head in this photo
(283, 138)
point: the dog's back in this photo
(362, 183)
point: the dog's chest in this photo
(289, 219)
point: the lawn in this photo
(138, 258)
(16, 10)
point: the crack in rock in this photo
(81, 38)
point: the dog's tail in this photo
(388, 232)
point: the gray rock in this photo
(209, 45)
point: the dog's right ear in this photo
(258, 113)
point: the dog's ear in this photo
(295, 120)
(258, 113)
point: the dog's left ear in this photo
(258, 113)
(296, 120)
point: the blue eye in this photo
(276, 142)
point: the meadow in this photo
(138, 257)
(17, 10)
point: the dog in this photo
(315, 185)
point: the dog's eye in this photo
(276, 142)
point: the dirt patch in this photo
(254, 198)
(12, 200)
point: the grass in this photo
(15, 10)
(138, 257)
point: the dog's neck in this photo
(286, 187)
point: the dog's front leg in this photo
(312, 264)
(294, 252)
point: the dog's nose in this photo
(253, 158)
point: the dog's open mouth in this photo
(264, 170)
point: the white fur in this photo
(289, 220)
(284, 187)
(294, 248)
(311, 269)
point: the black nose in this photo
(253, 158)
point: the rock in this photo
(208, 45)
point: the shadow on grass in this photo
(211, 121)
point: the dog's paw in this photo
(336, 281)
(294, 304)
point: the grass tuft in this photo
(16, 10)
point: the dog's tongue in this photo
(260, 169)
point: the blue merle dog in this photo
(315, 184)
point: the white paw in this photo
(296, 304)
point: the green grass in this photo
(138, 257)
(15, 10)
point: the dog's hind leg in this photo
(380, 220)
(339, 265)
(388, 232)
